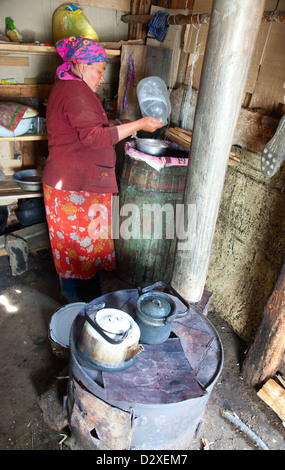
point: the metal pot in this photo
(109, 337)
(29, 180)
(153, 147)
(155, 312)
(59, 328)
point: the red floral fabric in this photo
(80, 230)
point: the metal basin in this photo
(152, 146)
(29, 180)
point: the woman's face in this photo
(93, 74)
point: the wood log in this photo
(225, 70)
(267, 350)
(183, 137)
(197, 18)
(203, 18)
(273, 395)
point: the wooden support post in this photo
(268, 348)
(232, 34)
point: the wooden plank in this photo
(273, 395)
(139, 55)
(158, 62)
(16, 48)
(14, 61)
(10, 188)
(25, 137)
(268, 348)
(148, 61)
(25, 91)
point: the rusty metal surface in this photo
(161, 374)
(97, 424)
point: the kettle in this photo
(155, 312)
(109, 338)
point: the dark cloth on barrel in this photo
(81, 153)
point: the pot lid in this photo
(113, 321)
(156, 304)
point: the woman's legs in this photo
(79, 250)
(69, 291)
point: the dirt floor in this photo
(29, 369)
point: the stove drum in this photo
(99, 423)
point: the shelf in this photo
(10, 191)
(19, 48)
(21, 90)
(24, 137)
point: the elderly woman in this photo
(80, 170)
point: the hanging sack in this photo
(69, 20)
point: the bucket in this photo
(59, 329)
(148, 255)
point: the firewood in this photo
(273, 395)
(183, 138)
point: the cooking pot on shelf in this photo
(155, 312)
(109, 338)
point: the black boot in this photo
(69, 290)
(89, 289)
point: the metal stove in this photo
(158, 402)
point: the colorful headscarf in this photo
(76, 49)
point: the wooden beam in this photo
(227, 60)
(203, 18)
(198, 18)
(267, 350)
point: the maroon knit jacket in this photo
(80, 141)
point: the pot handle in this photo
(98, 328)
(168, 286)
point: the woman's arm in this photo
(149, 124)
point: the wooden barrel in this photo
(145, 256)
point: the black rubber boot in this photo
(89, 289)
(69, 290)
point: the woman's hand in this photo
(149, 124)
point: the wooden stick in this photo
(234, 419)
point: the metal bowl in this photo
(29, 180)
(152, 146)
(59, 329)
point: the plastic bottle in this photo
(153, 98)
